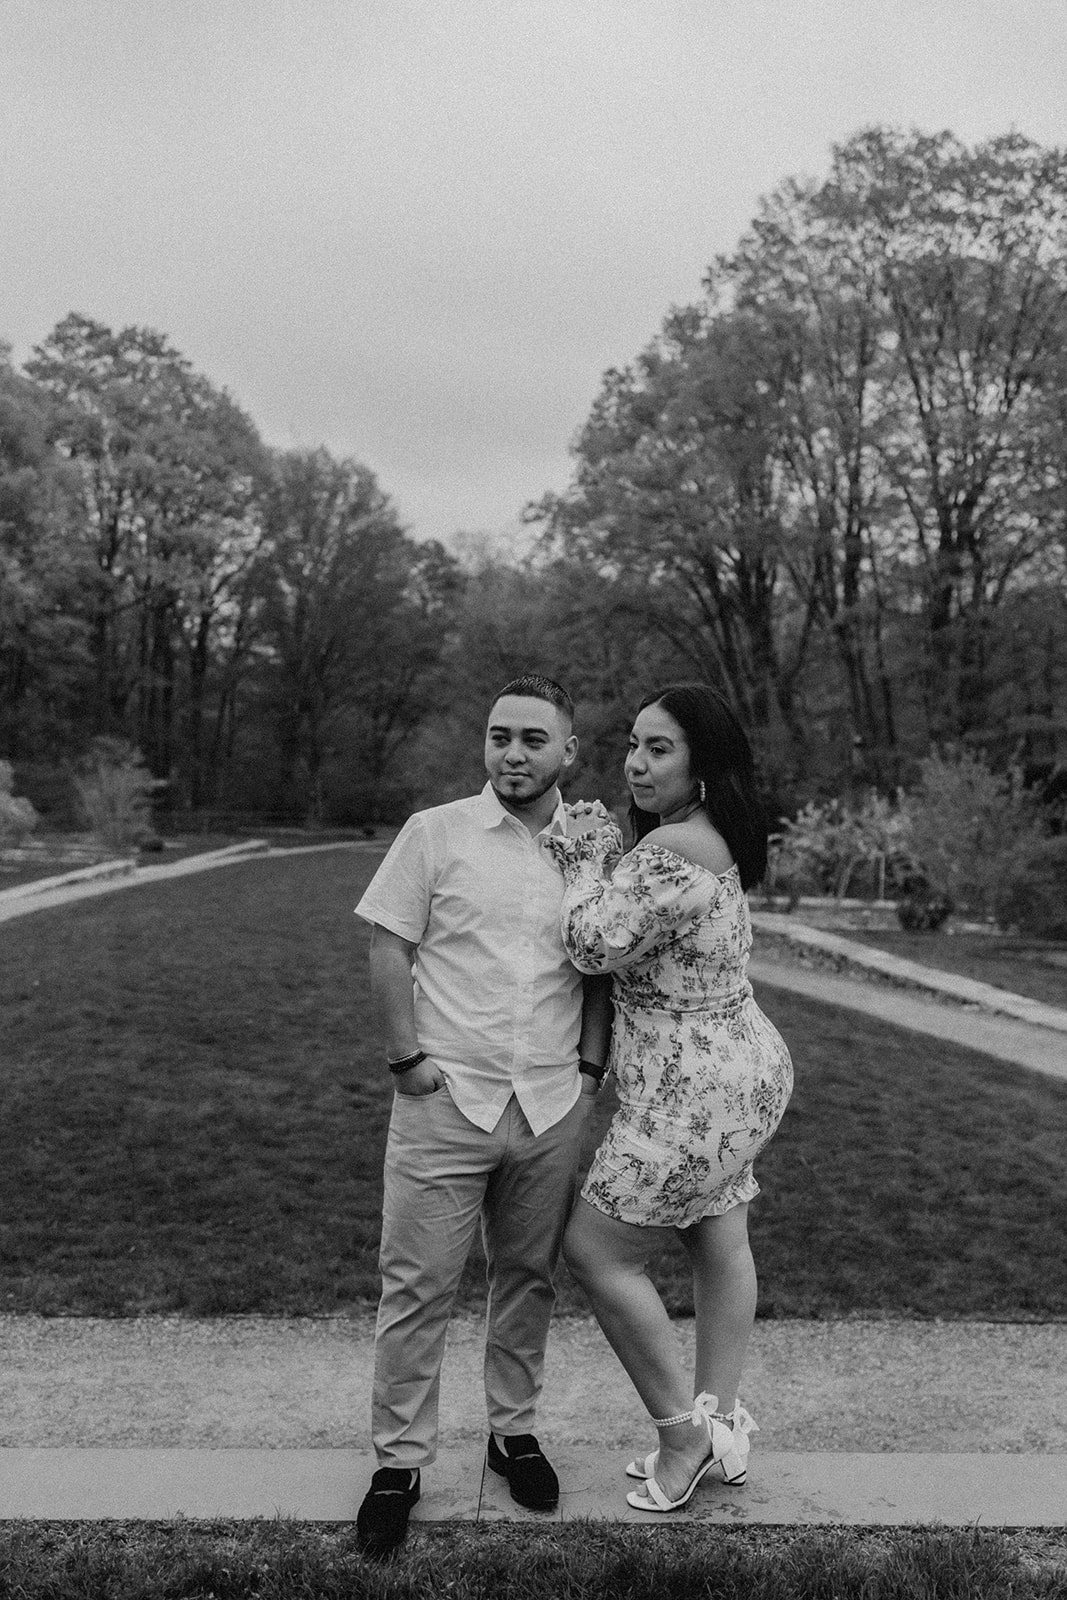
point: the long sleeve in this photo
(650, 896)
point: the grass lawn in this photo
(1032, 967)
(193, 1111)
(280, 1560)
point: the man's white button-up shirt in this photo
(497, 1003)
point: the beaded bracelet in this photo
(406, 1063)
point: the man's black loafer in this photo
(530, 1478)
(383, 1517)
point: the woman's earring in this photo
(703, 793)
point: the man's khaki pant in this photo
(441, 1174)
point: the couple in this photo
(514, 914)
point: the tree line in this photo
(838, 483)
(236, 613)
(835, 485)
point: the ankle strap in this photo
(669, 1422)
(703, 1411)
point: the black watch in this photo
(591, 1070)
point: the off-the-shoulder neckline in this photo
(653, 844)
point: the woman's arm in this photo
(647, 901)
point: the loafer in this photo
(530, 1478)
(382, 1521)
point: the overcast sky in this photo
(418, 231)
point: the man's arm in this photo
(391, 987)
(596, 1026)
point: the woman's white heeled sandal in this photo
(729, 1453)
(643, 1469)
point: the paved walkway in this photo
(864, 1423)
(327, 1485)
(1040, 1047)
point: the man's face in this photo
(528, 743)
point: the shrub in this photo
(923, 910)
(968, 826)
(1033, 894)
(114, 788)
(49, 787)
(826, 844)
(17, 816)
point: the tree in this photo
(812, 288)
(931, 284)
(404, 684)
(837, 482)
(352, 615)
(42, 639)
(114, 789)
(168, 469)
(971, 828)
(676, 498)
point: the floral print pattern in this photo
(702, 1076)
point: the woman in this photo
(703, 1077)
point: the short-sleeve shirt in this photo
(497, 1001)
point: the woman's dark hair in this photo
(721, 756)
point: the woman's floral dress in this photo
(702, 1076)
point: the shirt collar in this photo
(493, 813)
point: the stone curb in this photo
(846, 953)
(127, 867)
(99, 870)
(836, 1488)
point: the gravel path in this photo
(249, 1381)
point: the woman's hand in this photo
(585, 816)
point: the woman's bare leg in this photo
(608, 1259)
(724, 1300)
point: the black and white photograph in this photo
(533, 799)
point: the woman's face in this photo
(657, 765)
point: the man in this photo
(494, 1066)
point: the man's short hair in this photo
(535, 687)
